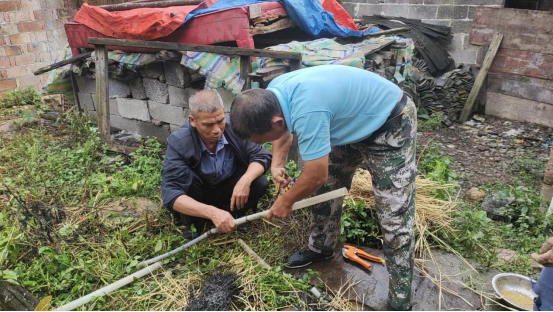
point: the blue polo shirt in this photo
(332, 105)
(218, 166)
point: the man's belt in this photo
(395, 116)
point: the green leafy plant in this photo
(430, 123)
(359, 224)
(20, 97)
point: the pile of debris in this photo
(446, 94)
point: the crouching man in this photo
(209, 175)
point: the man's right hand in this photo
(223, 221)
(280, 177)
(545, 257)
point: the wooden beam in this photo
(194, 47)
(276, 26)
(149, 4)
(494, 46)
(74, 59)
(102, 91)
(245, 71)
(75, 89)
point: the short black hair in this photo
(252, 111)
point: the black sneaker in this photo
(305, 257)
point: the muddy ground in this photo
(494, 150)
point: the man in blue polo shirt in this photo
(343, 117)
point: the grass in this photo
(429, 124)
(75, 217)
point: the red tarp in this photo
(153, 23)
(137, 24)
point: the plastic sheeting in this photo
(325, 18)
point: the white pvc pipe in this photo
(109, 288)
(157, 264)
(263, 214)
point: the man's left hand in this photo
(240, 194)
(545, 257)
(280, 210)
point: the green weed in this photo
(359, 224)
(430, 123)
(20, 97)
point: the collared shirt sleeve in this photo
(313, 131)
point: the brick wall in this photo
(457, 14)
(31, 36)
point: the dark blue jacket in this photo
(184, 154)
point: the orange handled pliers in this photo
(354, 254)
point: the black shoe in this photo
(305, 257)
(188, 234)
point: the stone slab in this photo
(113, 107)
(515, 108)
(156, 91)
(371, 287)
(133, 109)
(121, 123)
(148, 129)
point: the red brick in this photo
(8, 29)
(6, 6)
(30, 26)
(18, 71)
(40, 36)
(2, 41)
(8, 84)
(12, 61)
(12, 50)
(31, 5)
(21, 16)
(4, 62)
(37, 47)
(24, 59)
(3, 74)
(28, 81)
(21, 38)
(39, 15)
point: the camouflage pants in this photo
(390, 158)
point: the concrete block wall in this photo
(457, 14)
(153, 104)
(31, 36)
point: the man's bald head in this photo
(206, 101)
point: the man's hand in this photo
(240, 194)
(223, 221)
(280, 177)
(280, 210)
(545, 257)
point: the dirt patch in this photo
(495, 150)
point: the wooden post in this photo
(245, 71)
(102, 91)
(295, 64)
(75, 89)
(494, 46)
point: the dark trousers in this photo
(219, 196)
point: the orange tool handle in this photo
(363, 254)
(355, 258)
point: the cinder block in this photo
(152, 70)
(167, 113)
(155, 90)
(121, 123)
(116, 88)
(351, 8)
(133, 109)
(479, 2)
(464, 56)
(456, 43)
(86, 101)
(423, 11)
(176, 74)
(369, 9)
(148, 129)
(180, 97)
(417, 1)
(441, 2)
(452, 12)
(227, 97)
(397, 10)
(461, 26)
(137, 88)
(113, 107)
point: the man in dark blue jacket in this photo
(209, 174)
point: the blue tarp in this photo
(309, 15)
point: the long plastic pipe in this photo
(263, 214)
(109, 288)
(157, 263)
